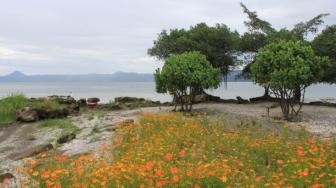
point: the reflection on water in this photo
(109, 90)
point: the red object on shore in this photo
(91, 105)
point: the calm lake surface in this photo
(107, 91)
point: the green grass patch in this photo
(9, 105)
(65, 124)
(48, 104)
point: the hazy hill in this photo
(115, 77)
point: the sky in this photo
(106, 36)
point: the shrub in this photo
(285, 67)
(186, 75)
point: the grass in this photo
(48, 104)
(9, 105)
(172, 150)
(65, 124)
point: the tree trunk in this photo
(267, 91)
(297, 94)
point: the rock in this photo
(62, 99)
(6, 176)
(128, 99)
(50, 114)
(66, 138)
(73, 108)
(241, 100)
(81, 102)
(27, 114)
(30, 152)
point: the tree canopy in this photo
(285, 66)
(263, 33)
(217, 43)
(185, 75)
(325, 45)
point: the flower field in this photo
(173, 150)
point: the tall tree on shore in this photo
(217, 43)
(325, 45)
(260, 28)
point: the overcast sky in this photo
(105, 36)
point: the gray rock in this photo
(27, 114)
(66, 138)
(30, 152)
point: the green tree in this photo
(184, 76)
(284, 66)
(300, 31)
(325, 45)
(217, 43)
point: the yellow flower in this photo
(224, 179)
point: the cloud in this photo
(12, 54)
(104, 36)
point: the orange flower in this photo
(160, 183)
(197, 186)
(299, 151)
(304, 172)
(280, 162)
(149, 166)
(159, 173)
(61, 158)
(193, 154)
(182, 153)
(189, 173)
(169, 156)
(175, 179)
(212, 173)
(316, 186)
(174, 170)
(259, 178)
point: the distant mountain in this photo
(115, 77)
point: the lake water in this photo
(107, 91)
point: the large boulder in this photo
(27, 114)
(31, 151)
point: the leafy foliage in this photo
(185, 76)
(325, 45)
(217, 43)
(311, 26)
(252, 42)
(285, 66)
(255, 24)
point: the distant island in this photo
(18, 76)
